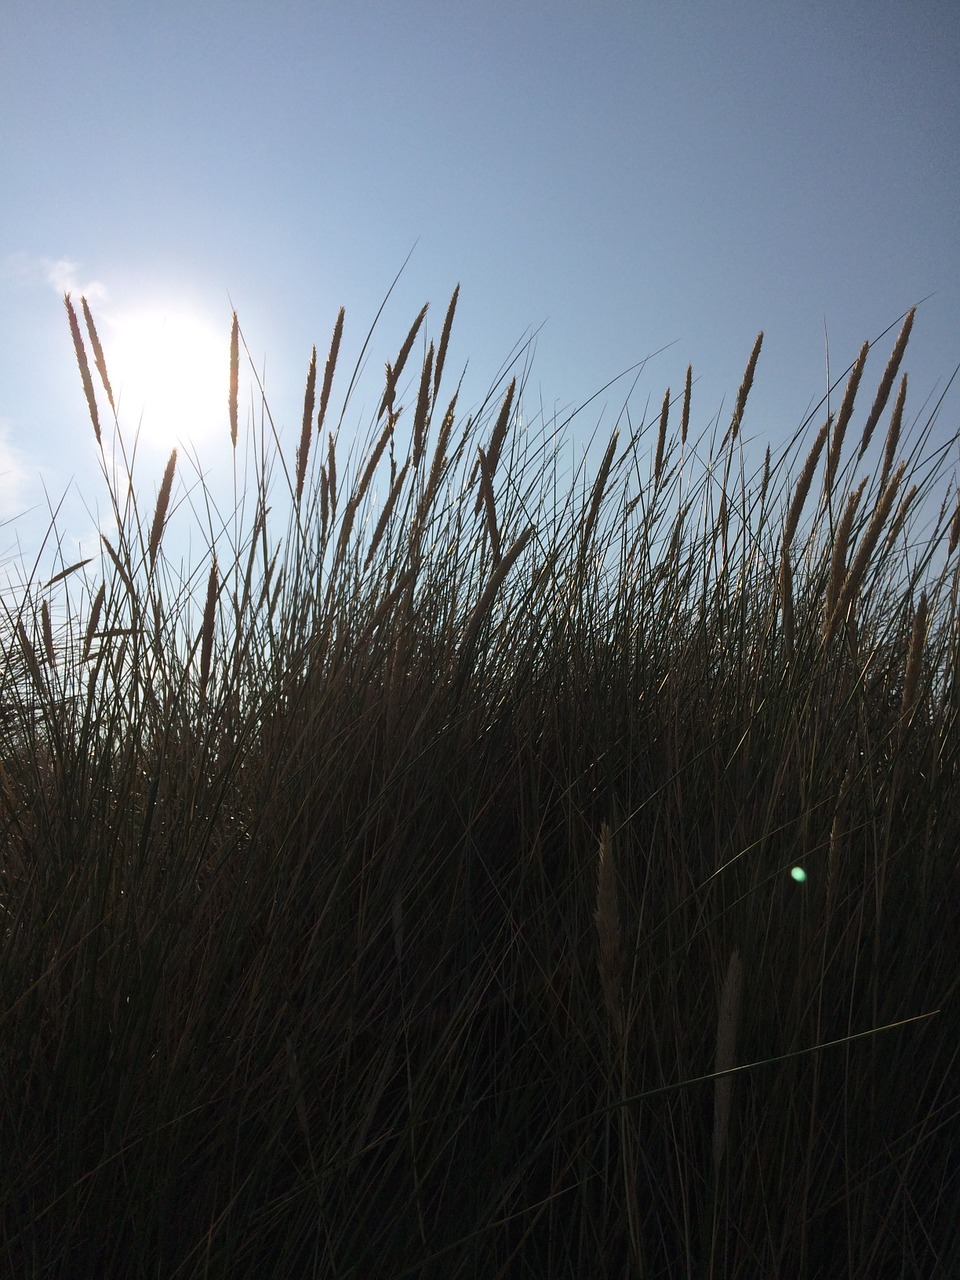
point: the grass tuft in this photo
(467, 868)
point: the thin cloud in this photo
(60, 274)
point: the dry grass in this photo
(163, 506)
(302, 907)
(84, 366)
(886, 381)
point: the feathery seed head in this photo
(843, 417)
(745, 385)
(685, 417)
(163, 503)
(306, 428)
(234, 391)
(84, 366)
(98, 353)
(886, 382)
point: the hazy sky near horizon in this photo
(622, 178)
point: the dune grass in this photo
(405, 889)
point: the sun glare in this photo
(169, 372)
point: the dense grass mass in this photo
(409, 893)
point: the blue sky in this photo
(624, 178)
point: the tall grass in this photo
(407, 892)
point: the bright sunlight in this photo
(169, 373)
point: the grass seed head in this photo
(497, 438)
(803, 486)
(163, 504)
(661, 437)
(93, 622)
(486, 494)
(84, 367)
(893, 431)
(47, 630)
(843, 417)
(444, 341)
(98, 353)
(306, 428)
(886, 382)
(741, 403)
(954, 527)
(838, 559)
(421, 417)
(206, 633)
(868, 542)
(234, 391)
(329, 369)
(394, 370)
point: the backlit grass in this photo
(383, 893)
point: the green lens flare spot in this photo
(798, 874)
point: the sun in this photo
(169, 370)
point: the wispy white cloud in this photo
(60, 274)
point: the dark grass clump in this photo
(410, 893)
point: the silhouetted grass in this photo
(383, 897)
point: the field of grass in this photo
(475, 870)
